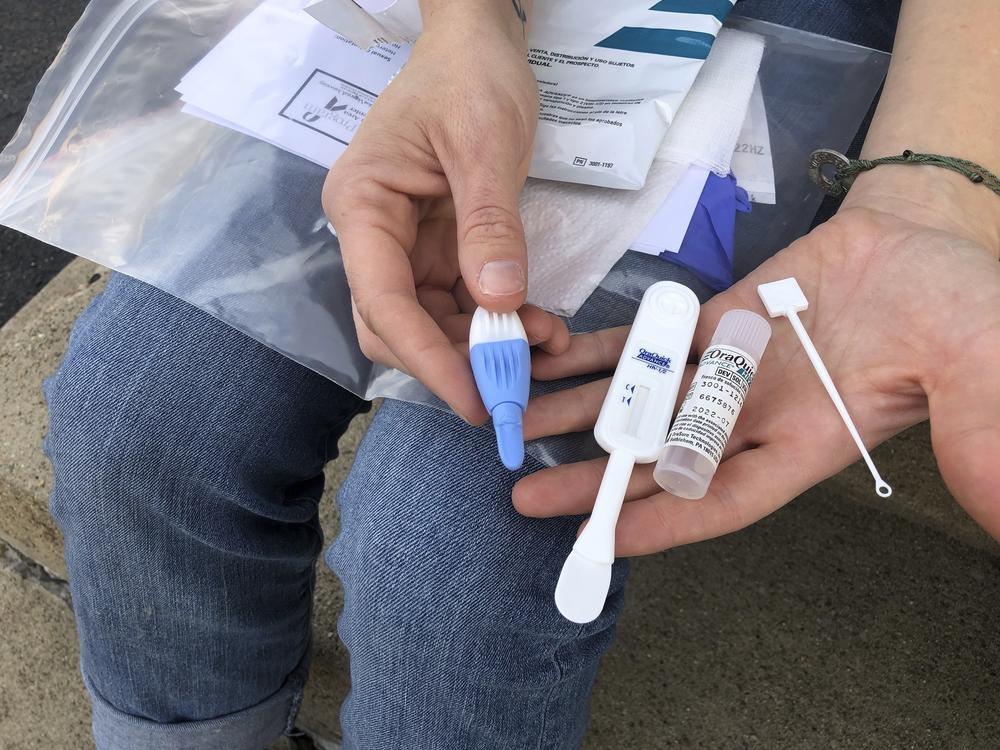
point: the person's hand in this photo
(425, 201)
(905, 310)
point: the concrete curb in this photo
(43, 705)
(31, 345)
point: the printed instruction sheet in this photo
(287, 79)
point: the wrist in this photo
(933, 197)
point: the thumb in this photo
(965, 433)
(492, 254)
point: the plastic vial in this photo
(709, 411)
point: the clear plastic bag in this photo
(107, 167)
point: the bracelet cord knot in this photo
(846, 170)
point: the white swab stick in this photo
(632, 427)
(786, 298)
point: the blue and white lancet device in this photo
(501, 362)
(632, 428)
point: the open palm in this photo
(907, 319)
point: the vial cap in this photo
(744, 330)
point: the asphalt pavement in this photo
(31, 35)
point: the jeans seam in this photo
(299, 694)
(560, 674)
(339, 427)
(293, 711)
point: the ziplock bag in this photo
(367, 22)
(107, 167)
(292, 82)
(611, 76)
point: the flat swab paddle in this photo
(785, 297)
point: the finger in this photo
(465, 301)
(587, 353)
(372, 347)
(439, 303)
(456, 328)
(965, 433)
(434, 255)
(545, 330)
(565, 411)
(491, 248)
(570, 489)
(542, 329)
(442, 306)
(381, 280)
(747, 487)
(576, 409)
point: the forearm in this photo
(509, 16)
(941, 96)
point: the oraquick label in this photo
(654, 357)
(713, 402)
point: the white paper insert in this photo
(287, 79)
(665, 233)
(752, 162)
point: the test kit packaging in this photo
(611, 77)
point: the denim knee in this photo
(187, 463)
(448, 597)
(154, 397)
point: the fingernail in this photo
(501, 277)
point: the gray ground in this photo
(829, 625)
(31, 34)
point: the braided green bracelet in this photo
(845, 170)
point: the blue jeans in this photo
(188, 464)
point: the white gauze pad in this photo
(576, 233)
